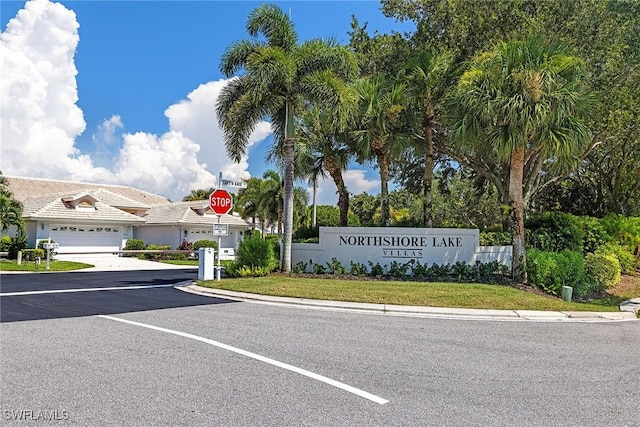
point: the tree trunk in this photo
(427, 208)
(314, 213)
(516, 215)
(335, 171)
(383, 164)
(288, 188)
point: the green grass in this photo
(181, 262)
(463, 295)
(6, 265)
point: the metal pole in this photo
(48, 251)
(219, 237)
(219, 243)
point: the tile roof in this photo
(116, 195)
(53, 207)
(197, 212)
(43, 199)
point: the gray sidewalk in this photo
(435, 312)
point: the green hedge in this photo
(256, 253)
(134, 245)
(550, 271)
(604, 269)
(205, 244)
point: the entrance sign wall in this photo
(385, 244)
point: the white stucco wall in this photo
(384, 245)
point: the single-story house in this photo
(87, 217)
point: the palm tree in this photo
(426, 76)
(201, 194)
(382, 104)
(271, 200)
(279, 75)
(523, 100)
(248, 201)
(328, 152)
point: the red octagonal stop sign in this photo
(220, 201)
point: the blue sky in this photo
(123, 91)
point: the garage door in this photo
(78, 238)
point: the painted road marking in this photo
(264, 359)
(63, 291)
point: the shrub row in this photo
(588, 276)
(492, 272)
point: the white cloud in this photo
(195, 117)
(38, 92)
(40, 119)
(356, 182)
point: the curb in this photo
(416, 311)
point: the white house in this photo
(86, 217)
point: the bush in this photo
(303, 233)
(32, 254)
(553, 232)
(256, 253)
(594, 234)
(204, 244)
(604, 269)
(134, 245)
(495, 238)
(158, 255)
(185, 246)
(5, 243)
(550, 271)
(17, 244)
(335, 267)
(625, 258)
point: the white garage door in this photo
(78, 238)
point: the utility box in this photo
(206, 258)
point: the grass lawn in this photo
(463, 295)
(6, 265)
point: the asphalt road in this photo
(160, 356)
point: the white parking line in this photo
(264, 359)
(64, 291)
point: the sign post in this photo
(221, 203)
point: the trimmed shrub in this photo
(256, 253)
(604, 269)
(625, 258)
(204, 244)
(159, 255)
(32, 254)
(5, 243)
(134, 245)
(550, 271)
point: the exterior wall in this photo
(174, 235)
(32, 233)
(159, 235)
(385, 245)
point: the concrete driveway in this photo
(117, 263)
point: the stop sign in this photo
(220, 201)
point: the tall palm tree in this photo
(523, 100)
(377, 127)
(327, 151)
(426, 75)
(279, 75)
